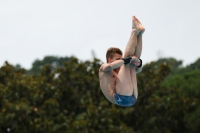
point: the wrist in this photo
(140, 63)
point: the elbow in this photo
(107, 68)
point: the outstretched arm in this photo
(115, 64)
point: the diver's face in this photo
(115, 57)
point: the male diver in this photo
(118, 76)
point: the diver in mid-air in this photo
(117, 77)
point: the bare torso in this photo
(108, 83)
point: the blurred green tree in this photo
(186, 87)
(53, 61)
(190, 67)
(172, 62)
(69, 100)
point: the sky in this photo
(31, 30)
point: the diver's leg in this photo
(132, 43)
(138, 52)
(125, 84)
(138, 49)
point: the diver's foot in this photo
(137, 26)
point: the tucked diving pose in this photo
(117, 77)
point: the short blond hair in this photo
(111, 51)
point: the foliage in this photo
(189, 68)
(53, 61)
(187, 87)
(69, 100)
(173, 63)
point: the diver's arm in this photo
(115, 64)
(110, 66)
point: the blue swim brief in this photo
(124, 100)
